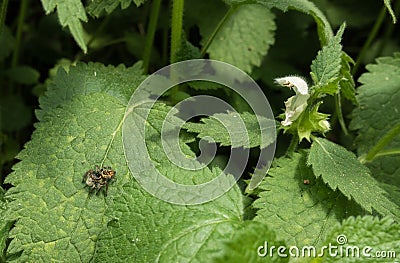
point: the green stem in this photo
(21, 18)
(338, 104)
(389, 29)
(371, 37)
(387, 138)
(387, 152)
(3, 13)
(151, 30)
(293, 145)
(100, 29)
(93, 37)
(231, 10)
(176, 28)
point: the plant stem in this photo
(389, 29)
(176, 28)
(388, 152)
(377, 149)
(20, 26)
(231, 10)
(371, 37)
(3, 13)
(338, 104)
(151, 30)
(293, 145)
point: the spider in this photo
(98, 178)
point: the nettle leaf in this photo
(377, 113)
(302, 207)
(245, 243)
(57, 219)
(96, 7)
(219, 126)
(324, 29)
(70, 13)
(244, 37)
(381, 235)
(146, 229)
(326, 66)
(341, 170)
(346, 83)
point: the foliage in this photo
(69, 70)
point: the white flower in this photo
(296, 104)
(298, 84)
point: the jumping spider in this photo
(98, 178)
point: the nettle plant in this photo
(315, 190)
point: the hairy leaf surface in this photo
(297, 204)
(341, 170)
(57, 219)
(377, 113)
(381, 235)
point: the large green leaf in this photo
(377, 114)
(70, 13)
(57, 219)
(382, 236)
(244, 37)
(341, 170)
(299, 206)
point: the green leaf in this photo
(23, 75)
(381, 235)
(326, 66)
(244, 37)
(390, 10)
(57, 219)
(146, 229)
(302, 212)
(70, 13)
(226, 129)
(347, 85)
(312, 121)
(245, 244)
(377, 113)
(14, 113)
(7, 42)
(341, 170)
(305, 6)
(96, 7)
